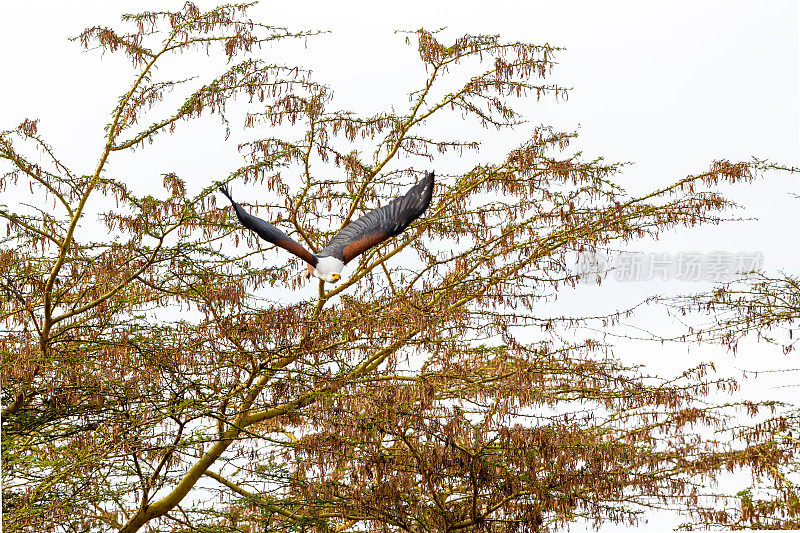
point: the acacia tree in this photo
(430, 390)
(761, 304)
(766, 307)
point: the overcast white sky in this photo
(669, 86)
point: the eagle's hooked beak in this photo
(310, 272)
(335, 277)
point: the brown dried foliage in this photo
(767, 308)
(147, 372)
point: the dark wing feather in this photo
(381, 223)
(268, 232)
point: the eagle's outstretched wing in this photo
(268, 232)
(381, 223)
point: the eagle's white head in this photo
(328, 269)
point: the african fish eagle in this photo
(358, 236)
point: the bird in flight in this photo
(358, 236)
